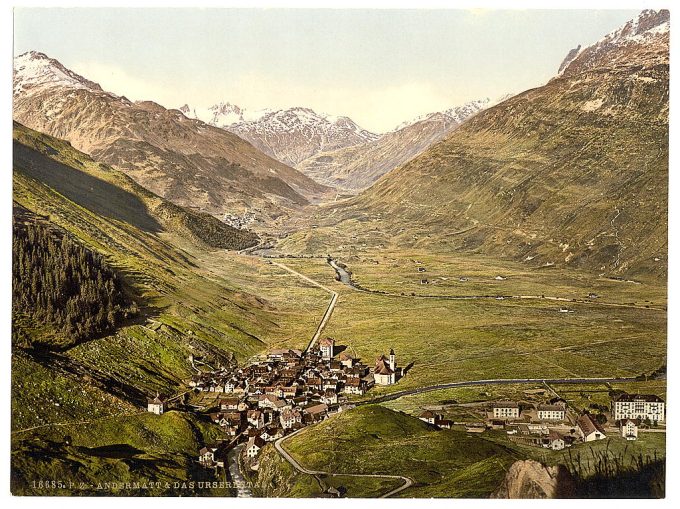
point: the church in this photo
(385, 372)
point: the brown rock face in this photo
(183, 160)
(531, 479)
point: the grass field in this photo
(276, 477)
(449, 340)
(583, 395)
(375, 440)
(414, 404)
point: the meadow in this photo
(449, 340)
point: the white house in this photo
(555, 441)
(156, 405)
(330, 397)
(551, 412)
(505, 410)
(253, 447)
(428, 417)
(354, 386)
(289, 418)
(206, 456)
(639, 406)
(629, 429)
(255, 418)
(589, 430)
(210, 456)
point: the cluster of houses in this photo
(552, 424)
(285, 391)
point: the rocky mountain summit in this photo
(184, 160)
(289, 135)
(647, 34)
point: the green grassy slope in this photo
(375, 440)
(573, 173)
(194, 297)
(157, 451)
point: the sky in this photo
(379, 67)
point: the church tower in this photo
(393, 360)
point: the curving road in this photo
(408, 482)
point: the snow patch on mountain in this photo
(457, 114)
(643, 29)
(35, 69)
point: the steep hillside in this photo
(111, 193)
(185, 305)
(136, 455)
(184, 160)
(357, 167)
(571, 173)
(76, 410)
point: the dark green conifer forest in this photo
(63, 286)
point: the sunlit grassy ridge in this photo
(375, 440)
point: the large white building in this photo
(639, 406)
(551, 412)
(505, 410)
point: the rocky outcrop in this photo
(531, 479)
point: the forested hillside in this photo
(60, 284)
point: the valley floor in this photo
(452, 328)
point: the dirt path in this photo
(408, 482)
(76, 423)
(329, 310)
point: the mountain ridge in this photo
(187, 161)
(571, 173)
(353, 169)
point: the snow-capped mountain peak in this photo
(35, 69)
(290, 135)
(457, 114)
(646, 28)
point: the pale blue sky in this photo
(379, 67)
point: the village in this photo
(277, 395)
(552, 423)
(287, 390)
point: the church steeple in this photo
(393, 360)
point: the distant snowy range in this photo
(332, 149)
